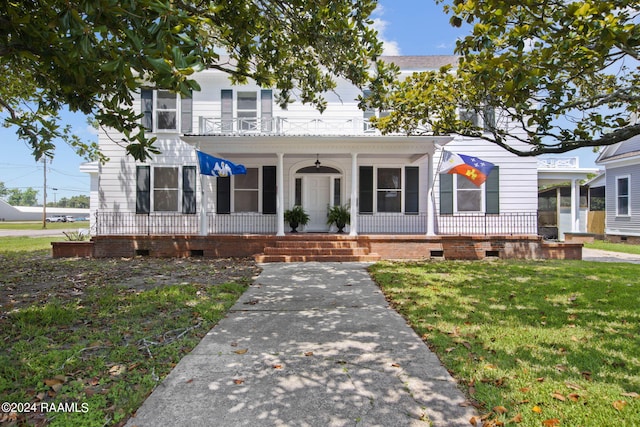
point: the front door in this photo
(316, 199)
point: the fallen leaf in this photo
(238, 381)
(474, 420)
(241, 351)
(572, 386)
(309, 353)
(525, 389)
(395, 365)
(619, 404)
(117, 370)
(516, 419)
(449, 350)
(551, 422)
(540, 379)
(558, 396)
(586, 375)
(537, 409)
(632, 394)
(574, 396)
(189, 381)
(500, 409)
(277, 366)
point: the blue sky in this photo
(408, 27)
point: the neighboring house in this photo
(562, 200)
(622, 169)
(299, 156)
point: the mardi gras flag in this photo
(474, 169)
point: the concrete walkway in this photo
(608, 256)
(311, 344)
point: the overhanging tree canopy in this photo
(559, 74)
(90, 55)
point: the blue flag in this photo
(214, 166)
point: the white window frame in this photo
(456, 191)
(176, 189)
(157, 111)
(628, 195)
(257, 190)
(177, 112)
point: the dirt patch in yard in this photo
(34, 277)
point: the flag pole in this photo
(431, 217)
(204, 223)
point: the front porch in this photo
(374, 247)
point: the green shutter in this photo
(492, 191)
(269, 194)
(412, 193)
(143, 189)
(189, 190)
(446, 194)
(223, 195)
(146, 97)
(186, 114)
(366, 189)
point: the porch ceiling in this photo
(382, 146)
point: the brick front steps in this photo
(317, 248)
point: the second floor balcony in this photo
(286, 126)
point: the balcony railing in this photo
(129, 223)
(286, 126)
(559, 163)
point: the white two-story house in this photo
(299, 156)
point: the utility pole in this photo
(44, 197)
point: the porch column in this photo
(280, 195)
(204, 220)
(353, 205)
(431, 217)
(575, 205)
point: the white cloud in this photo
(391, 47)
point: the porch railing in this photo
(392, 223)
(505, 223)
(129, 223)
(286, 126)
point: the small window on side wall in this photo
(622, 196)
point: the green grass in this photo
(95, 332)
(543, 341)
(37, 225)
(26, 244)
(615, 247)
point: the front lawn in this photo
(539, 343)
(101, 334)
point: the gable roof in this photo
(621, 150)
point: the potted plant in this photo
(340, 216)
(296, 216)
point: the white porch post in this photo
(204, 220)
(431, 217)
(280, 195)
(575, 205)
(353, 227)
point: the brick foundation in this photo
(632, 240)
(387, 246)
